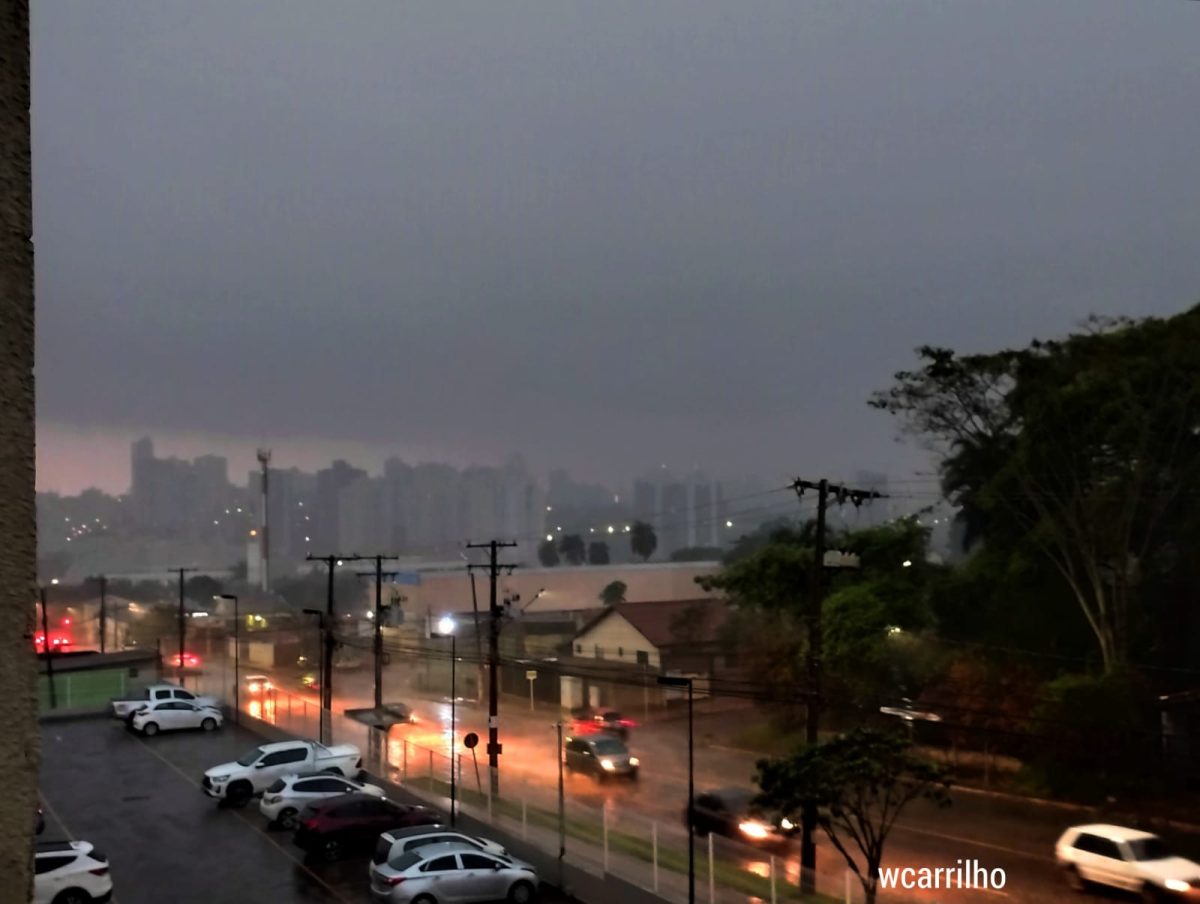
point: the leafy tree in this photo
(642, 540)
(201, 588)
(572, 548)
(598, 553)
(1080, 449)
(860, 783)
(688, 625)
(548, 554)
(697, 554)
(613, 593)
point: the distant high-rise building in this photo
(326, 517)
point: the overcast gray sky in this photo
(606, 235)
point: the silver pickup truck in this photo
(124, 709)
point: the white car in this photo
(393, 843)
(70, 872)
(171, 715)
(453, 872)
(1128, 859)
(282, 802)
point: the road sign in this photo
(531, 674)
(470, 740)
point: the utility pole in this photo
(808, 821)
(493, 566)
(182, 618)
(378, 644)
(327, 644)
(264, 461)
(102, 580)
(47, 648)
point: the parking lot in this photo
(139, 801)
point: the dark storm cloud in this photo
(604, 234)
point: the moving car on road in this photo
(453, 872)
(609, 721)
(282, 802)
(731, 812)
(600, 756)
(124, 709)
(350, 825)
(257, 685)
(240, 780)
(70, 872)
(189, 660)
(1128, 859)
(171, 715)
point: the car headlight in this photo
(753, 829)
(607, 765)
(1177, 885)
(217, 779)
(786, 823)
(634, 761)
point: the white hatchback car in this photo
(283, 800)
(1128, 859)
(453, 872)
(171, 715)
(70, 872)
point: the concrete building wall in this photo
(616, 640)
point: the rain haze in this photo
(605, 236)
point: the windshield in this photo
(1149, 849)
(251, 758)
(609, 747)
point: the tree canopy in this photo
(642, 540)
(1080, 449)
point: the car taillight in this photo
(628, 723)
(311, 824)
(102, 871)
(393, 880)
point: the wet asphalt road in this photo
(139, 801)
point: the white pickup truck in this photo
(155, 693)
(240, 780)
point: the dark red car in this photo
(349, 825)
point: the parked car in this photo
(240, 780)
(282, 802)
(350, 825)
(600, 756)
(610, 721)
(453, 872)
(731, 812)
(1128, 859)
(123, 709)
(70, 872)
(171, 715)
(257, 685)
(394, 842)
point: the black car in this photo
(731, 812)
(349, 824)
(601, 756)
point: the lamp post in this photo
(237, 652)
(673, 681)
(321, 626)
(445, 628)
(47, 648)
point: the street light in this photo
(674, 681)
(445, 628)
(321, 672)
(237, 652)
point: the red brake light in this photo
(393, 880)
(102, 871)
(628, 723)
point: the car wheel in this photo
(150, 729)
(209, 724)
(73, 896)
(521, 893)
(1074, 880)
(333, 770)
(288, 818)
(331, 850)
(239, 794)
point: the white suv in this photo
(70, 872)
(1128, 859)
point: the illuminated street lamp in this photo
(445, 628)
